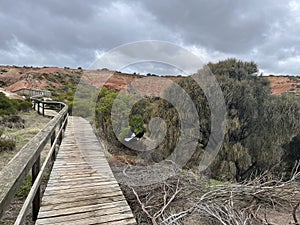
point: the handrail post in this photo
(66, 123)
(51, 142)
(37, 199)
(60, 135)
(38, 109)
(43, 105)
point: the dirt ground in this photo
(281, 84)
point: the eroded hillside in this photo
(15, 78)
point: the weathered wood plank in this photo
(79, 173)
(77, 185)
(79, 204)
(87, 177)
(86, 208)
(71, 181)
(71, 192)
(119, 222)
(86, 197)
(89, 218)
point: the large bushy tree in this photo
(261, 128)
(258, 124)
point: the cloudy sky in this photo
(74, 33)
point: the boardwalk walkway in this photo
(82, 188)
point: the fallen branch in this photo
(294, 213)
(224, 203)
(189, 198)
(168, 198)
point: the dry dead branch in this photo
(226, 204)
(168, 197)
(294, 213)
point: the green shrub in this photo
(13, 106)
(25, 188)
(7, 106)
(214, 182)
(136, 123)
(121, 102)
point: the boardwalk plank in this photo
(75, 198)
(80, 204)
(88, 218)
(87, 208)
(77, 186)
(82, 188)
(90, 190)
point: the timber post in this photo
(37, 198)
(51, 144)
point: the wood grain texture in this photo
(82, 188)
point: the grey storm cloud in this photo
(75, 32)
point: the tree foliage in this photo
(258, 124)
(111, 104)
(262, 130)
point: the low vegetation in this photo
(25, 188)
(67, 91)
(12, 106)
(113, 104)
(6, 143)
(8, 119)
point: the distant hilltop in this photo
(282, 84)
(13, 79)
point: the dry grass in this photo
(33, 124)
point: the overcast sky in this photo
(74, 32)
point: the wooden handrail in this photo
(13, 175)
(42, 104)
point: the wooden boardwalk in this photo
(82, 188)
